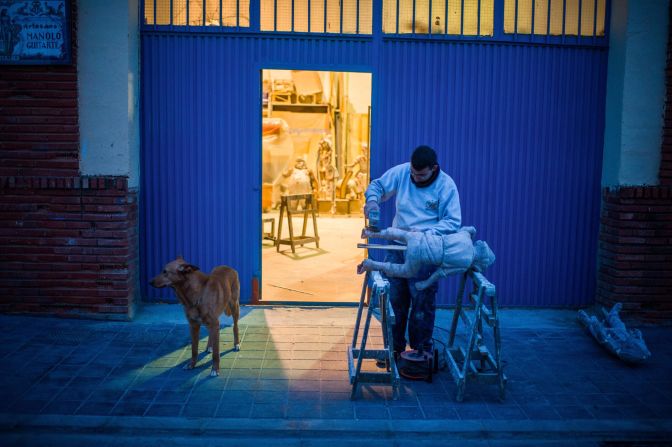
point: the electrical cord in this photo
(443, 353)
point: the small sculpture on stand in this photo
(298, 180)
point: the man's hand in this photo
(371, 205)
(360, 268)
(364, 266)
(368, 232)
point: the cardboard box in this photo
(306, 82)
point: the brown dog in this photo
(204, 298)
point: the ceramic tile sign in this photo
(34, 32)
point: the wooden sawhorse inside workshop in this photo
(310, 207)
(475, 362)
(378, 289)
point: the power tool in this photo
(374, 221)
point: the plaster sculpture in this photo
(326, 171)
(610, 332)
(357, 175)
(299, 179)
(452, 253)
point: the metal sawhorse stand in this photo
(476, 363)
(378, 289)
(293, 241)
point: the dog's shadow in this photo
(225, 323)
(203, 355)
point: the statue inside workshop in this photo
(326, 171)
(357, 175)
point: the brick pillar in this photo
(69, 246)
(68, 243)
(665, 173)
(636, 251)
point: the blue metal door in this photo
(201, 149)
(519, 126)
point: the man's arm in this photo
(385, 186)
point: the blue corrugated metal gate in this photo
(519, 128)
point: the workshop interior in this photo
(315, 169)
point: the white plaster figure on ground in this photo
(611, 333)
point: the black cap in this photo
(423, 157)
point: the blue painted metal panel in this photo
(518, 127)
(201, 150)
(200, 177)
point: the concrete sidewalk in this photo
(73, 382)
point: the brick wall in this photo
(69, 246)
(636, 251)
(68, 243)
(665, 174)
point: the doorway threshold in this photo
(305, 303)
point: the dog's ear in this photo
(187, 268)
(180, 257)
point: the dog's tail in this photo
(232, 307)
(235, 294)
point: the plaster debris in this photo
(611, 333)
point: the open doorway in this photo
(315, 169)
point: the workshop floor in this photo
(326, 274)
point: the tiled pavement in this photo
(292, 367)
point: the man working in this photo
(426, 200)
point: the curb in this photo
(648, 429)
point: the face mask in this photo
(429, 181)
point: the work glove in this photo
(371, 205)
